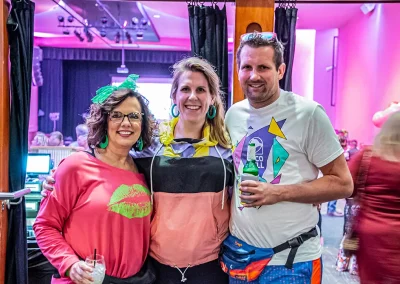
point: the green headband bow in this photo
(104, 92)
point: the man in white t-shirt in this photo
(294, 140)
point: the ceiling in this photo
(167, 28)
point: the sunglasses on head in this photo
(262, 35)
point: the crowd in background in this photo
(56, 138)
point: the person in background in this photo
(40, 139)
(189, 168)
(102, 202)
(68, 140)
(56, 139)
(81, 130)
(342, 136)
(353, 148)
(378, 220)
(83, 142)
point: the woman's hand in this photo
(48, 185)
(80, 273)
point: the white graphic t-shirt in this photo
(293, 138)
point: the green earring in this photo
(139, 144)
(172, 111)
(212, 112)
(104, 143)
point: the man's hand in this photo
(259, 193)
(80, 273)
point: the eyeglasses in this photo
(263, 35)
(118, 117)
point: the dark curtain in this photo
(81, 79)
(285, 28)
(209, 39)
(20, 31)
(51, 94)
(144, 56)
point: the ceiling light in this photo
(89, 36)
(78, 35)
(117, 37)
(157, 16)
(144, 21)
(60, 19)
(104, 20)
(139, 35)
(135, 21)
(103, 33)
(70, 19)
(128, 37)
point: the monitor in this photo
(38, 164)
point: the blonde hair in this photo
(194, 64)
(387, 142)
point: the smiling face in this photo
(125, 133)
(258, 75)
(193, 97)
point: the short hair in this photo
(81, 129)
(97, 121)
(58, 135)
(258, 41)
(195, 64)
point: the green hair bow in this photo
(104, 92)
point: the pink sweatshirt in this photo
(95, 206)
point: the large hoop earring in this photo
(104, 143)
(139, 144)
(212, 112)
(172, 111)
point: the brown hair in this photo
(195, 64)
(97, 120)
(258, 41)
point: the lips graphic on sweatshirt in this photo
(131, 201)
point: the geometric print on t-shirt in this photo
(130, 201)
(264, 139)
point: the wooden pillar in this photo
(251, 15)
(4, 131)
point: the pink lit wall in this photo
(323, 70)
(368, 69)
(303, 66)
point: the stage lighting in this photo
(103, 33)
(144, 22)
(70, 19)
(128, 37)
(60, 19)
(78, 35)
(117, 37)
(139, 35)
(104, 20)
(89, 36)
(135, 21)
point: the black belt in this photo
(294, 244)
